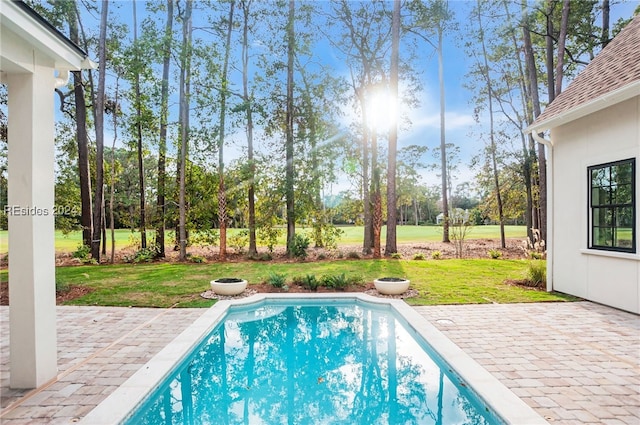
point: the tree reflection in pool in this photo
(312, 364)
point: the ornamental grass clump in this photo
(537, 273)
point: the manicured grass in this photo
(352, 236)
(176, 284)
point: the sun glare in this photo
(381, 111)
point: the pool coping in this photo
(117, 406)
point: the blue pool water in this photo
(338, 363)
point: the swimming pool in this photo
(339, 359)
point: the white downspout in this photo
(550, 191)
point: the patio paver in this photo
(98, 349)
(574, 363)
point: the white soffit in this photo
(15, 19)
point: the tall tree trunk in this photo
(291, 219)
(535, 100)
(112, 190)
(82, 140)
(391, 245)
(549, 52)
(162, 144)
(561, 43)
(443, 145)
(253, 249)
(366, 196)
(143, 223)
(185, 75)
(104, 226)
(604, 37)
(99, 124)
(377, 196)
(222, 193)
(493, 147)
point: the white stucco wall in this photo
(612, 134)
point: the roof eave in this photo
(616, 96)
(17, 18)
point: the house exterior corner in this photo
(596, 251)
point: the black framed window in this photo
(612, 206)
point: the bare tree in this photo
(81, 138)
(248, 104)
(222, 193)
(391, 245)
(112, 191)
(289, 189)
(164, 118)
(185, 75)
(435, 18)
(99, 124)
(604, 37)
(561, 46)
(532, 74)
(138, 126)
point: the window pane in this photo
(621, 174)
(624, 237)
(622, 194)
(624, 217)
(603, 217)
(600, 177)
(600, 196)
(602, 236)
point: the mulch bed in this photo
(73, 292)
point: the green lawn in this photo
(176, 284)
(352, 236)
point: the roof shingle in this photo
(616, 66)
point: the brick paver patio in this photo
(574, 363)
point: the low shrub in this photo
(436, 255)
(143, 255)
(277, 280)
(309, 281)
(353, 255)
(495, 254)
(300, 245)
(82, 252)
(396, 256)
(196, 258)
(338, 281)
(418, 256)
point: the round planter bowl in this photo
(391, 285)
(228, 286)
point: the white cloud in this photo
(453, 120)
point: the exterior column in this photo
(32, 301)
